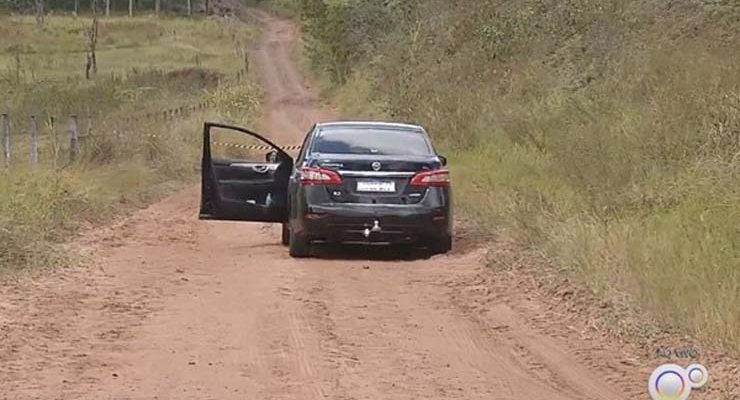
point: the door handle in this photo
(260, 169)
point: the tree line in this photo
(42, 7)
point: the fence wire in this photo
(37, 141)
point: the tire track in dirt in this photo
(175, 308)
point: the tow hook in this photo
(375, 229)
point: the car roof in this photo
(370, 125)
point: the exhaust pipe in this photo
(375, 229)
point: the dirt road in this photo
(175, 308)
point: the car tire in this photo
(299, 246)
(285, 239)
(441, 245)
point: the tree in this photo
(130, 8)
(91, 67)
(40, 12)
(157, 5)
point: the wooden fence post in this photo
(246, 60)
(6, 138)
(54, 142)
(74, 138)
(34, 141)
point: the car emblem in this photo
(376, 166)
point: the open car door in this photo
(247, 180)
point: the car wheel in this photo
(441, 245)
(285, 240)
(299, 246)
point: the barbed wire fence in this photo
(42, 135)
(34, 139)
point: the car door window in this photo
(231, 145)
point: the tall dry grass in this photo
(605, 133)
(145, 65)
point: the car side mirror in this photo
(442, 159)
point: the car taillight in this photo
(319, 176)
(438, 177)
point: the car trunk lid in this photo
(368, 179)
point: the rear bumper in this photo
(376, 224)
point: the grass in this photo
(137, 51)
(287, 8)
(56, 51)
(604, 134)
(130, 154)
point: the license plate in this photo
(376, 186)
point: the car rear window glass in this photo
(389, 142)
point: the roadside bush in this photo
(340, 34)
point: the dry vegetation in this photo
(144, 65)
(604, 133)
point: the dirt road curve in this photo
(175, 308)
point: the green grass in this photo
(57, 50)
(145, 65)
(287, 8)
(51, 60)
(604, 134)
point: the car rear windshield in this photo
(390, 142)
